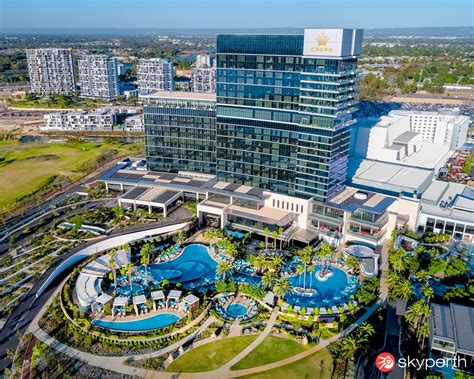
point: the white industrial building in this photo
(51, 71)
(155, 74)
(79, 121)
(98, 77)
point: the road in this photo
(29, 306)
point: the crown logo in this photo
(322, 39)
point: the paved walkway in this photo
(117, 363)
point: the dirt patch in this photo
(44, 158)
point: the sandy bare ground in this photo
(20, 126)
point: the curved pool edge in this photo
(109, 324)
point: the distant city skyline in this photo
(234, 14)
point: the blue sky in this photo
(233, 13)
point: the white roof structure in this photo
(388, 177)
(103, 299)
(89, 281)
(191, 299)
(157, 295)
(174, 294)
(121, 301)
(269, 298)
(139, 299)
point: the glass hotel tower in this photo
(285, 105)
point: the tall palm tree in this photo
(259, 263)
(393, 279)
(364, 332)
(403, 290)
(349, 346)
(280, 236)
(266, 233)
(276, 261)
(352, 263)
(397, 259)
(223, 269)
(113, 266)
(305, 257)
(129, 270)
(209, 234)
(299, 271)
(268, 279)
(145, 253)
(274, 236)
(418, 313)
(311, 269)
(428, 292)
(281, 287)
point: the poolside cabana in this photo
(173, 298)
(297, 309)
(269, 298)
(190, 302)
(101, 300)
(310, 311)
(335, 310)
(157, 296)
(284, 307)
(119, 302)
(137, 301)
(323, 311)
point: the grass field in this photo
(315, 366)
(210, 356)
(27, 168)
(272, 349)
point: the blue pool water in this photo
(234, 233)
(334, 291)
(236, 310)
(194, 264)
(155, 322)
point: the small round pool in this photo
(151, 323)
(236, 310)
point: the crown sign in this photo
(322, 39)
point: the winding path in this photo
(117, 364)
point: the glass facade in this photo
(283, 119)
(180, 135)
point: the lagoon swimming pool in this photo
(194, 264)
(151, 323)
(335, 290)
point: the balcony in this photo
(366, 233)
(378, 223)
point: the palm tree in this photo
(145, 253)
(393, 279)
(305, 257)
(281, 287)
(119, 212)
(403, 290)
(276, 261)
(224, 268)
(259, 263)
(266, 233)
(299, 271)
(397, 259)
(113, 263)
(129, 270)
(280, 236)
(428, 292)
(274, 236)
(352, 263)
(418, 313)
(180, 238)
(364, 332)
(209, 234)
(268, 279)
(311, 269)
(349, 346)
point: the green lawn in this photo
(24, 168)
(270, 350)
(317, 366)
(210, 356)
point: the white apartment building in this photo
(134, 124)
(203, 79)
(446, 127)
(51, 71)
(155, 74)
(79, 121)
(98, 76)
(203, 60)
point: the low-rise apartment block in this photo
(79, 121)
